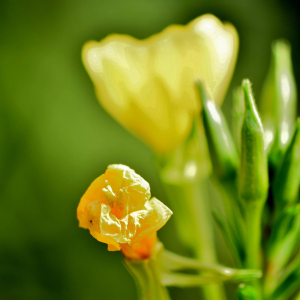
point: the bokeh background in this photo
(55, 138)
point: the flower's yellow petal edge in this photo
(148, 85)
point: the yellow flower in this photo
(148, 85)
(118, 211)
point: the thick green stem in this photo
(147, 278)
(253, 213)
(193, 219)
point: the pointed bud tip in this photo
(250, 105)
(281, 47)
(246, 85)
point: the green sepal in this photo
(222, 150)
(253, 172)
(287, 176)
(247, 292)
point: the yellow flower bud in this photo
(118, 211)
(148, 85)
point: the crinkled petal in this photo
(124, 217)
(157, 217)
(144, 222)
(137, 225)
(111, 226)
(93, 193)
(120, 176)
(112, 244)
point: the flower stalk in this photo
(253, 176)
(184, 177)
(148, 279)
(198, 218)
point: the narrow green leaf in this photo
(283, 244)
(288, 287)
(284, 224)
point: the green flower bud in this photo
(222, 150)
(278, 105)
(287, 177)
(253, 173)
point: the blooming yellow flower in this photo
(148, 85)
(118, 211)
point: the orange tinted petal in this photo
(140, 250)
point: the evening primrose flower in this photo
(148, 85)
(118, 211)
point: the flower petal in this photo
(93, 193)
(148, 85)
(111, 226)
(145, 222)
(112, 244)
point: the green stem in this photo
(175, 262)
(187, 280)
(147, 278)
(193, 220)
(253, 212)
(253, 223)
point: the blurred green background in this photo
(55, 139)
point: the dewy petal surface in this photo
(148, 85)
(117, 209)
